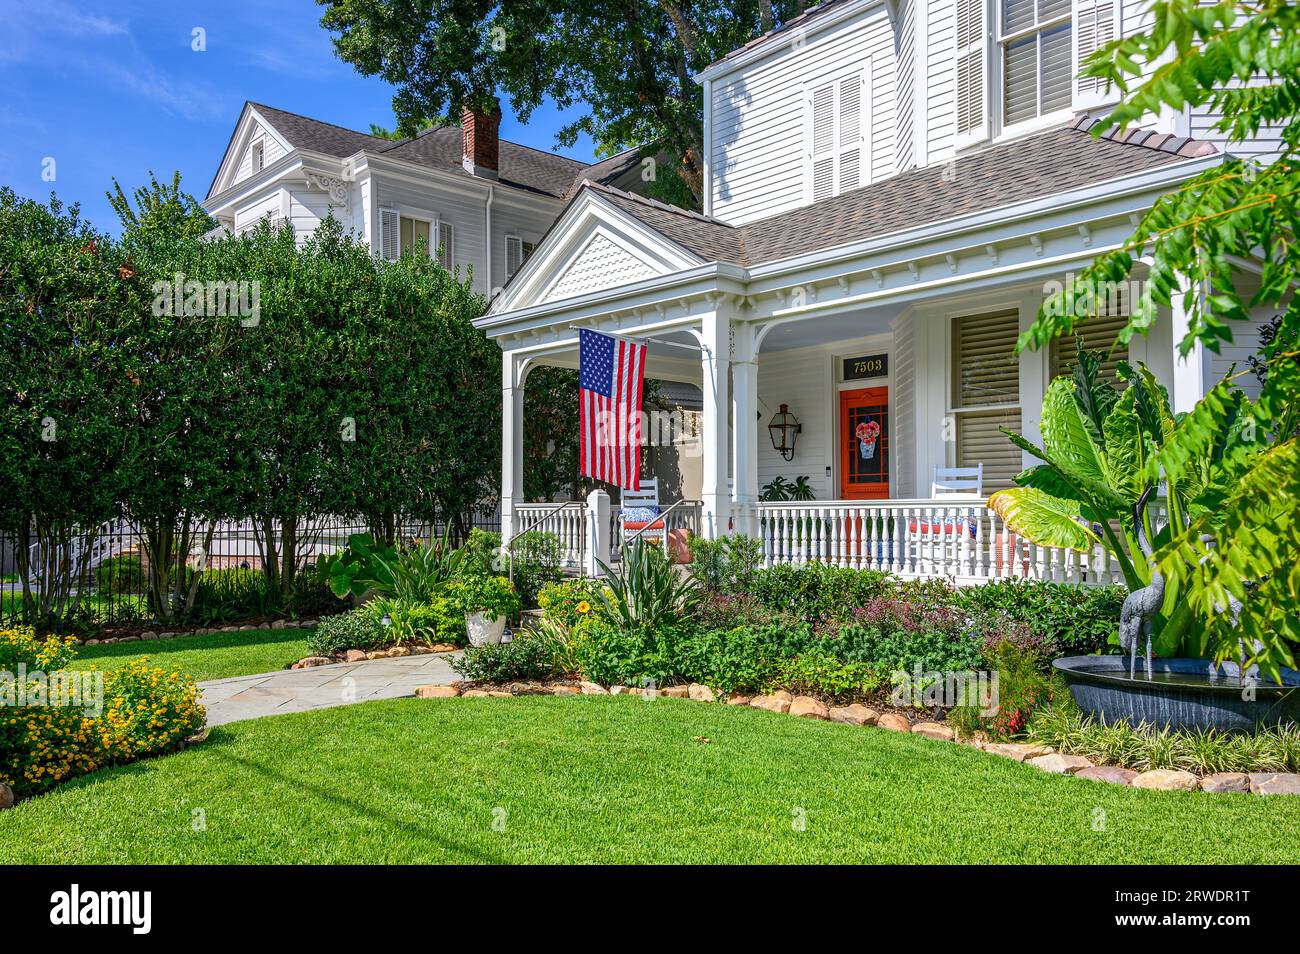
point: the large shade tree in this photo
(628, 67)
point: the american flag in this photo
(611, 375)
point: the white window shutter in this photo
(972, 71)
(822, 136)
(1094, 27)
(850, 133)
(446, 244)
(514, 254)
(389, 243)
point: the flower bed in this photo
(92, 720)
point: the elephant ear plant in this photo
(1097, 475)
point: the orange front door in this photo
(864, 444)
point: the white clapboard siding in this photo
(797, 378)
(941, 79)
(758, 116)
(461, 210)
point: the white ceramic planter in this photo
(484, 631)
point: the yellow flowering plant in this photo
(145, 711)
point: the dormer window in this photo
(836, 155)
(257, 157)
(1034, 38)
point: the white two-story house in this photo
(893, 188)
(478, 202)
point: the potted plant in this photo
(487, 602)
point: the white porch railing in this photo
(568, 522)
(920, 538)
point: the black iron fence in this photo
(216, 573)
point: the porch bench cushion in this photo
(639, 518)
(635, 525)
(945, 528)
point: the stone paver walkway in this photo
(341, 684)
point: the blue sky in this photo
(114, 89)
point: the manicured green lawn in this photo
(614, 779)
(213, 656)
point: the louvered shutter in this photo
(446, 245)
(389, 241)
(1094, 27)
(514, 254)
(986, 395)
(823, 142)
(1098, 334)
(850, 134)
(972, 71)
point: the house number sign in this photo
(867, 366)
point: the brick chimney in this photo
(482, 145)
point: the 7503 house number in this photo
(866, 366)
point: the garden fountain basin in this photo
(1180, 693)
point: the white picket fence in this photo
(965, 542)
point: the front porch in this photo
(911, 331)
(964, 542)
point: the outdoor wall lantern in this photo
(783, 429)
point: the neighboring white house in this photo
(892, 187)
(479, 202)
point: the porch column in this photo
(744, 414)
(512, 443)
(1190, 380)
(715, 356)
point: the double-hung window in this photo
(1035, 40)
(403, 234)
(986, 395)
(837, 121)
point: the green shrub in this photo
(536, 557)
(818, 672)
(358, 629)
(816, 592)
(233, 593)
(418, 574)
(1079, 620)
(742, 659)
(564, 602)
(120, 574)
(523, 658)
(727, 564)
(609, 654)
(493, 596)
(408, 621)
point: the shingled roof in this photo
(1044, 164)
(441, 148)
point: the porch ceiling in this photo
(832, 328)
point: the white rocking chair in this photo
(647, 498)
